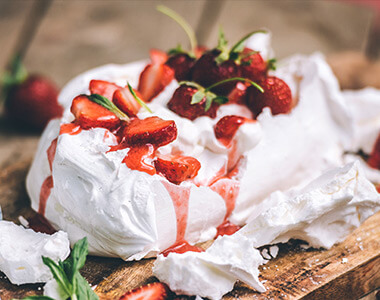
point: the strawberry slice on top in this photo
(156, 76)
(124, 100)
(89, 114)
(153, 291)
(252, 65)
(152, 130)
(104, 88)
(177, 168)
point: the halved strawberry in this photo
(152, 291)
(177, 168)
(103, 88)
(152, 130)
(125, 101)
(277, 95)
(155, 77)
(89, 114)
(180, 103)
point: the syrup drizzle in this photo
(135, 158)
(226, 228)
(180, 197)
(48, 184)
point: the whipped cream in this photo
(21, 252)
(321, 213)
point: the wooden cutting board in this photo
(349, 270)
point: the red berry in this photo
(177, 168)
(103, 88)
(153, 291)
(33, 103)
(277, 95)
(253, 65)
(88, 114)
(181, 64)
(152, 130)
(125, 101)
(206, 72)
(180, 103)
(155, 77)
(226, 128)
(239, 94)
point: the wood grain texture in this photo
(296, 273)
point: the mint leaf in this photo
(221, 100)
(103, 101)
(137, 98)
(84, 291)
(197, 97)
(59, 275)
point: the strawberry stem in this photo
(185, 26)
(14, 76)
(235, 79)
(239, 46)
(138, 99)
(103, 101)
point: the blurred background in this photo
(64, 38)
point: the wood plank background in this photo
(76, 35)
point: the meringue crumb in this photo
(344, 260)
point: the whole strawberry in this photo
(33, 102)
(252, 65)
(277, 96)
(207, 71)
(181, 63)
(181, 104)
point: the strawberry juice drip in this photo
(180, 197)
(48, 184)
(70, 128)
(135, 158)
(226, 228)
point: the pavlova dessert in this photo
(153, 157)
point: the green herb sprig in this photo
(212, 97)
(71, 283)
(103, 101)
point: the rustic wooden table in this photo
(78, 35)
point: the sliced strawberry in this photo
(180, 103)
(152, 130)
(239, 94)
(155, 77)
(253, 65)
(89, 114)
(374, 158)
(153, 291)
(158, 57)
(177, 168)
(125, 101)
(226, 128)
(103, 88)
(277, 95)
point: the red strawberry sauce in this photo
(135, 158)
(47, 185)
